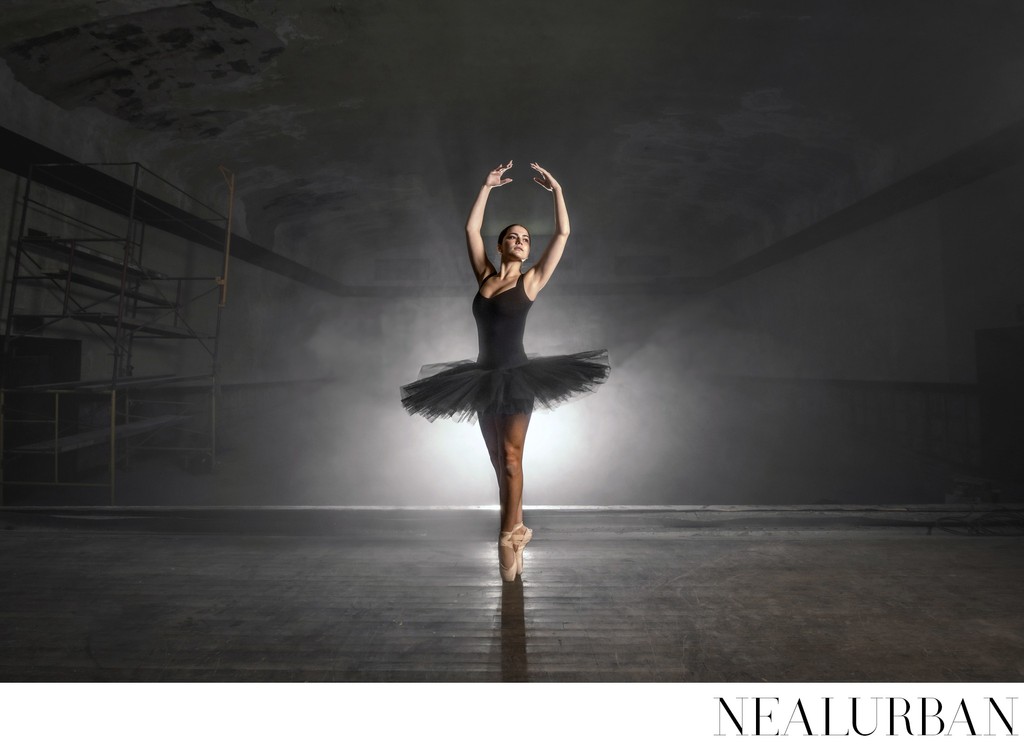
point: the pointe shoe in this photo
(521, 536)
(505, 541)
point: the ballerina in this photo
(503, 386)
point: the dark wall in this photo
(843, 375)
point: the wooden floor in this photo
(321, 595)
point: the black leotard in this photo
(503, 379)
(500, 325)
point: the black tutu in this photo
(462, 389)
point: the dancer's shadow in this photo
(513, 633)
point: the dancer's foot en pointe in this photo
(510, 551)
(524, 535)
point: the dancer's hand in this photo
(545, 179)
(494, 179)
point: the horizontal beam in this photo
(1002, 149)
(998, 151)
(18, 154)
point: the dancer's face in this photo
(515, 245)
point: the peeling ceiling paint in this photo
(136, 66)
(697, 132)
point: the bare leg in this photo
(489, 429)
(505, 437)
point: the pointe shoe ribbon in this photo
(521, 535)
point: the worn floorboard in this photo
(415, 596)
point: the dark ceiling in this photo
(688, 135)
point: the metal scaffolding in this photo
(76, 272)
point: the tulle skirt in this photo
(462, 389)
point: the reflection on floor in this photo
(711, 594)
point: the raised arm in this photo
(482, 266)
(539, 275)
